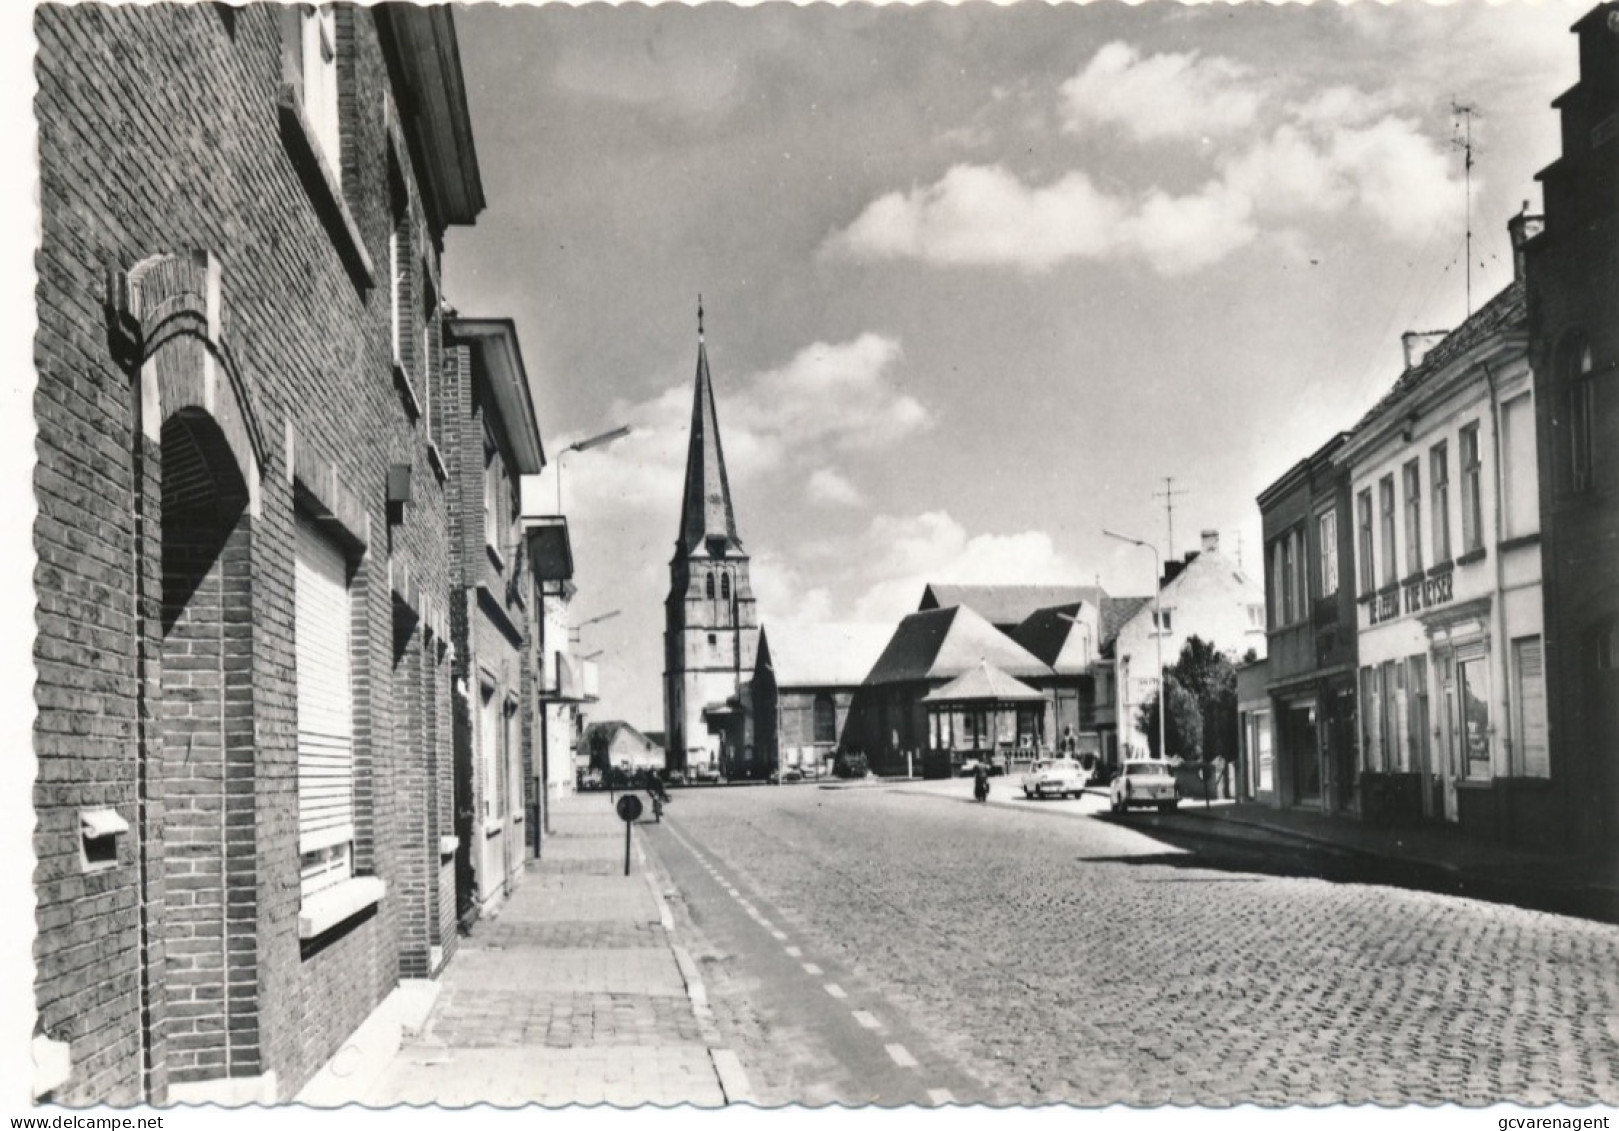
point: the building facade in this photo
(1311, 636)
(711, 625)
(1573, 275)
(804, 683)
(242, 655)
(1203, 595)
(492, 439)
(1452, 689)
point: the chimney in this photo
(1417, 343)
(1522, 228)
(1211, 541)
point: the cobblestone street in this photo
(1033, 957)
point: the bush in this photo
(850, 764)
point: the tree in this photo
(1210, 676)
(1183, 726)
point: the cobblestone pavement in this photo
(1065, 958)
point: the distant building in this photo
(1452, 689)
(711, 633)
(615, 744)
(804, 683)
(1008, 606)
(927, 650)
(1573, 277)
(1311, 755)
(1256, 777)
(1203, 595)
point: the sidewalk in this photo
(574, 993)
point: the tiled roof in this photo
(940, 644)
(1499, 314)
(823, 655)
(985, 683)
(1044, 632)
(1116, 613)
(1006, 606)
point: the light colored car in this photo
(1148, 781)
(1054, 777)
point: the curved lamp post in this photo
(584, 446)
(1157, 633)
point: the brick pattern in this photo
(158, 136)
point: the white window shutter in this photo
(325, 708)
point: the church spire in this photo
(705, 512)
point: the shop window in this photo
(1473, 716)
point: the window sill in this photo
(1441, 567)
(324, 189)
(1414, 578)
(1519, 542)
(326, 909)
(493, 827)
(496, 558)
(413, 403)
(436, 461)
(1471, 556)
(447, 846)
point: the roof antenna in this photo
(699, 316)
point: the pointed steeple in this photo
(705, 512)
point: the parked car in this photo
(850, 764)
(702, 773)
(673, 777)
(1146, 781)
(1054, 777)
(791, 773)
(590, 780)
(970, 767)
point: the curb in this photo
(728, 1071)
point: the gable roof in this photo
(1116, 613)
(1045, 632)
(1006, 606)
(821, 655)
(609, 731)
(940, 644)
(985, 683)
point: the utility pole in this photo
(1169, 494)
(1465, 143)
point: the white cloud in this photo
(1160, 96)
(912, 551)
(831, 488)
(828, 397)
(784, 595)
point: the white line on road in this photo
(940, 1096)
(794, 952)
(780, 936)
(812, 970)
(867, 1021)
(900, 1056)
(835, 990)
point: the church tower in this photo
(711, 629)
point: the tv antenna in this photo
(1466, 112)
(1169, 494)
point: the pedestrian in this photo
(981, 782)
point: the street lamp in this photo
(584, 446)
(593, 620)
(1157, 634)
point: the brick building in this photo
(804, 682)
(491, 441)
(243, 672)
(1573, 300)
(1310, 752)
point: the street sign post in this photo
(629, 811)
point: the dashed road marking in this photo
(900, 1056)
(812, 970)
(835, 990)
(867, 1021)
(780, 936)
(794, 952)
(940, 1096)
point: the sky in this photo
(977, 279)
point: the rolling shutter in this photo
(325, 708)
(1532, 708)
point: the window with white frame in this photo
(1385, 503)
(1327, 530)
(1163, 619)
(1411, 474)
(1520, 477)
(322, 613)
(1363, 505)
(1439, 484)
(1472, 490)
(319, 58)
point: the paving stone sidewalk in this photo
(571, 994)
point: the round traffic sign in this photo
(629, 807)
